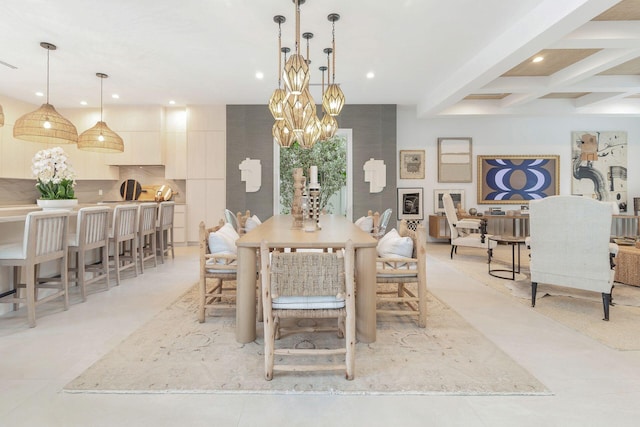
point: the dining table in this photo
(334, 232)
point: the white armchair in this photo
(570, 246)
(468, 232)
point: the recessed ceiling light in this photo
(172, 102)
(83, 102)
(370, 75)
(115, 96)
(259, 75)
(39, 94)
(538, 59)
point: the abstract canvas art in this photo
(517, 179)
(599, 166)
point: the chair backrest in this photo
(242, 221)
(452, 215)
(165, 217)
(125, 222)
(231, 218)
(93, 227)
(384, 221)
(45, 235)
(570, 242)
(147, 217)
(307, 274)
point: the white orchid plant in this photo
(56, 177)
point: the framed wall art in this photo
(599, 166)
(410, 204)
(454, 160)
(456, 195)
(411, 164)
(517, 179)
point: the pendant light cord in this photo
(48, 51)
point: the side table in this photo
(628, 265)
(514, 242)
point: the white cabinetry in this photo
(180, 224)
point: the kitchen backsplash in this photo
(23, 191)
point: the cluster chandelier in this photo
(45, 124)
(100, 138)
(293, 107)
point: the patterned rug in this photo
(173, 353)
(574, 308)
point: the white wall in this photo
(509, 136)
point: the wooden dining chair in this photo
(218, 270)
(45, 240)
(124, 240)
(308, 285)
(164, 230)
(92, 234)
(402, 279)
(147, 247)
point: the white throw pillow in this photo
(252, 223)
(392, 245)
(365, 223)
(223, 241)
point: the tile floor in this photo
(591, 385)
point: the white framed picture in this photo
(456, 195)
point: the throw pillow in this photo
(392, 245)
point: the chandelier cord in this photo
(297, 28)
(48, 51)
(333, 42)
(101, 81)
(279, 54)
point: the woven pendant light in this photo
(45, 124)
(282, 134)
(276, 102)
(100, 138)
(333, 99)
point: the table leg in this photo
(246, 295)
(366, 294)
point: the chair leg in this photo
(173, 255)
(534, 290)
(105, 263)
(31, 295)
(64, 279)
(606, 301)
(116, 262)
(141, 254)
(453, 249)
(202, 291)
(80, 272)
(269, 344)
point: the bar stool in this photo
(45, 239)
(123, 232)
(92, 232)
(147, 214)
(164, 230)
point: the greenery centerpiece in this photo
(54, 174)
(329, 156)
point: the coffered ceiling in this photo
(447, 58)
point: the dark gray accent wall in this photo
(374, 136)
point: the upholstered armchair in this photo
(468, 232)
(570, 246)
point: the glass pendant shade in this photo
(276, 104)
(282, 134)
(100, 139)
(311, 133)
(299, 111)
(45, 125)
(296, 74)
(1, 117)
(329, 127)
(333, 100)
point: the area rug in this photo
(574, 308)
(173, 353)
